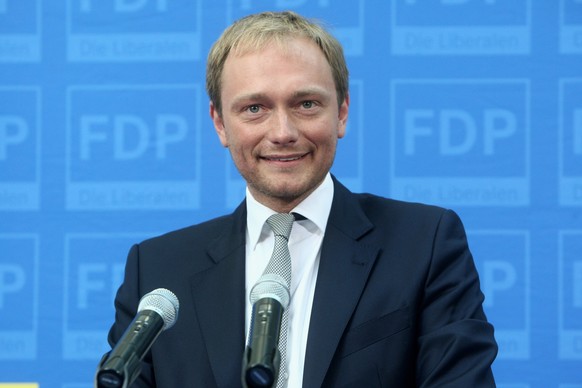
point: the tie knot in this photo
(281, 223)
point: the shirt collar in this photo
(315, 208)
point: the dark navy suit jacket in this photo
(397, 301)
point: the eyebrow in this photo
(247, 97)
(309, 91)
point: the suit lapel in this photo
(344, 268)
(219, 297)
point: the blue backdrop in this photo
(105, 140)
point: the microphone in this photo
(270, 297)
(156, 312)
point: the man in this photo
(383, 293)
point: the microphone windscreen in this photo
(163, 302)
(272, 286)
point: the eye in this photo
(254, 108)
(307, 104)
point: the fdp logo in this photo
(503, 262)
(347, 17)
(94, 267)
(134, 30)
(570, 291)
(19, 148)
(467, 27)
(348, 165)
(461, 142)
(133, 147)
(18, 296)
(20, 30)
(570, 142)
(571, 26)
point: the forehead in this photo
(294, 55)
(286, 47)
(277, 70)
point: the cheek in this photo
(241, 144)
(329, 139)
(231, 135)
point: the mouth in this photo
(283, 158)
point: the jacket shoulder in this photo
(377, 207)
(201, 231)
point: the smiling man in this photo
(280, 119)
(382, 292)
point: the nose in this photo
(282, 129)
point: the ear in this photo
(343, 116)
(218, 124)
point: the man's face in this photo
(281, 121)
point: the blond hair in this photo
(256, 31)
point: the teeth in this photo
(286, 159)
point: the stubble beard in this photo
(289, 192)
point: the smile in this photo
(283, 158)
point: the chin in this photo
(287, 188)
(287, 192)
(294, 189)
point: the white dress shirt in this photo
(305, 248)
